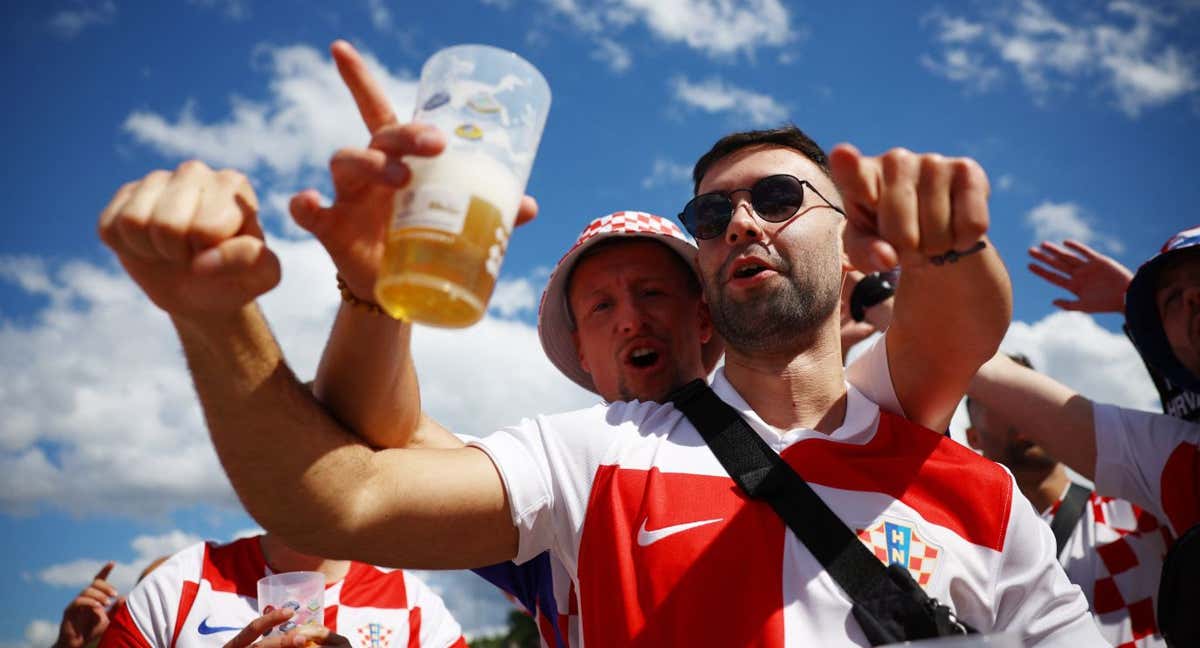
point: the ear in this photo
(972, 437)
(579, 352)
(705, 321)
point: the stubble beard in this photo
(781, 318)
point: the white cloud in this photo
(1076, 351)
(69, 23)
(235, 10)
(717, 28)
(1005, 182)
(78, 573)
(309, 115)
(613, 54)
(1128, 49)
(715, 95)
(667, 173)
(514, 296)
(1073, 349)
(100, 413)
(1055, 222)
(40, 633)
(478, 606)
(381, 16)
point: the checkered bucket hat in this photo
(554, 318)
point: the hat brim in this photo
(556, 331)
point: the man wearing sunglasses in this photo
(648, 527)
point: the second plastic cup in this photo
(302, 592)
(450, 227)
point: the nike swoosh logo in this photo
(206, 629)
(646, 538)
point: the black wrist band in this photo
(870, 290)
(954, 255)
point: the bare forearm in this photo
(271, 436)
(947, 321)
(1052, 415)
(367, 380)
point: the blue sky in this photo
(1084, 115)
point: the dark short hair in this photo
(788, 136)
(1019, 358)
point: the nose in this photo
(743, 223)
(629, 319)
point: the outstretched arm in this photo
(191, 241)
(1054, 416)
(366, 377)
(950, 312)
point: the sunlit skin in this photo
(640, 323)
(756, 267)
(1178, 301)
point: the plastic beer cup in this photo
(450, 226)
(303, 592)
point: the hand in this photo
(87, 616)
(904, 208)
(191, 239)
(354, 227)
(1098, 282)
(296, 638)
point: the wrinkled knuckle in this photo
(231, 177)
(191, 167)
(897, 161)
(157, 176)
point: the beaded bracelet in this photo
(349, 298)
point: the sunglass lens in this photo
(777, 198)
(711, 215)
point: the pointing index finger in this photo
(373, 105)
(105, 571)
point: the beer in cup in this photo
(450, 226)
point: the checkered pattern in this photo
(1186, 238)
(628, 222)
(1115, 555)
(922, 556)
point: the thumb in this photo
(868, 252)
(246, 258)
(306, 209)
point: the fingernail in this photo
(429, 138)
(878, 260)
(396, 172)
(207, 261)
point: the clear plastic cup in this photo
(450, 226)
(303, 592)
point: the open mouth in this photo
(643, 357)
(749, 271)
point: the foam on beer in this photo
(476, 174)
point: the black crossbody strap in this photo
(762, 474)
(1068, 514)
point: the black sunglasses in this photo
(774, 198)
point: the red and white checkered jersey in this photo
(663, 549)
(205, 594)
(1115, 555)
(1152, 460)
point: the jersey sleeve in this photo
(148, 616)
(547, 466)
(438, 628)
(122, 632)
(1152, 460)
(869, 373)
(1033, 595)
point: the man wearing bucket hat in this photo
(580, 483)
